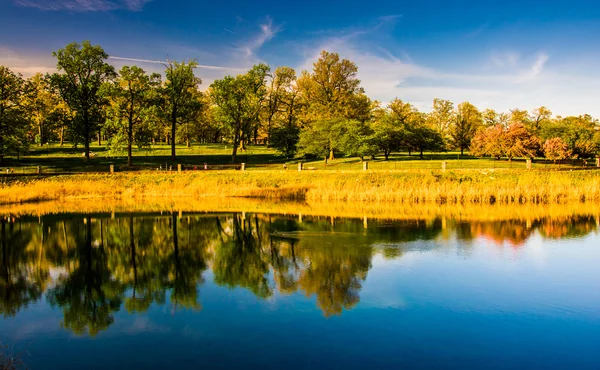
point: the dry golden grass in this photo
(407, 187)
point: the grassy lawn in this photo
(53, 158)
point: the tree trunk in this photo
(40, 131)
(331, 155)
(86, 146)
(187, 143)
(236, 143)
(409, 152)
(86, 136)
(421, 154)
(462, 151)
(173, 128)
(129, 143)
(99, 138)
(62, 135)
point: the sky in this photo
(495, 54)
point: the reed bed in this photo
(405, 187)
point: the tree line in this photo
(320, 113)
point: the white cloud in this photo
(508, 80)
(266, 34)
(83, 5)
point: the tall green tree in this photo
(132, 95)
(389, 132)
(43, 107)
(331, 93)
(82, 72)
(239, 101)
(285, 136)
(421, 136)
(442, 117)
(468, 122)
(278, 87)
(179, 91)
(13, 116)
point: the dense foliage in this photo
(320, 113)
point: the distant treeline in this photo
(321, 113)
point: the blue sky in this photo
(495, 54)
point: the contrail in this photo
(163, 62)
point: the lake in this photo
(170, 290)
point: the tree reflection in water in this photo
(91, 267)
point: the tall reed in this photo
(408, 187)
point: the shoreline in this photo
(383, 211)
(486, 187)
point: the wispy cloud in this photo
(498, 80)
(267, 31)
(83, 5)
(202, 66)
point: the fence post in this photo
(179, 168)
(112, 168)
(243, 166)
(300, 166)
(365, 166)
(444, 166)
(39, 170)
(528, 164)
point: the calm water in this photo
(170, 291)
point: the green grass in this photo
(56, 159)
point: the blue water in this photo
(264, 291)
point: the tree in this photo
(442, 117)
(239, 101)
(191, 119)
(322, 138)
(404, 116)
(519, 142)
(357, 140)
(178, 93)
(556, 149)
(512, 141)
(540, 117)
(43, 107)
(518, 116)
(389, 134)
(490, 117)
(331, 93)
(279, 87)
(82, 72)
(330, 86)
(489, 141)
(468, 122)
(284, 138)
(422, 137)
(132, 95)
(13, 119)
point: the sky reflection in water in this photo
(254, 290)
